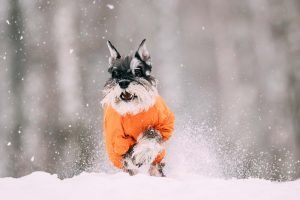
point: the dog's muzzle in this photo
(125, 96)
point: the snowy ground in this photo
(40, 185)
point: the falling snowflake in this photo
(110, 6)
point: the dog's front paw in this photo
(131, 172)
(141, 158)
(157, 170)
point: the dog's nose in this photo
(124, 83)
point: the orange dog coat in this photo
(121, 132)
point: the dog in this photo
(137, 121)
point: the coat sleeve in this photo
(115, 138)
(166, 120)
(122, 143)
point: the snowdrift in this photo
(41, 185)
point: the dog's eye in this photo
(138, 72)
(115, 74)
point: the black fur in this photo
(120, 70)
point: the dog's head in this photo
(131, 88)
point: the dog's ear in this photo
(114, 54)
(143, 52)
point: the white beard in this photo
(145, 97)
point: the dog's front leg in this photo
(131, 172)
(144, 152)
(128, 165)
(148, 146)
(157, 170)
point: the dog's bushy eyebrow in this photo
(121, 64)
(145, 65)
(136, 55)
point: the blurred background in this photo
(230, 71)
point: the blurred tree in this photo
(292, 41)
(17, 71)
(5, 93)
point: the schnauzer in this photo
(137, 122)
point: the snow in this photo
(41, 185)
(110, 6)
